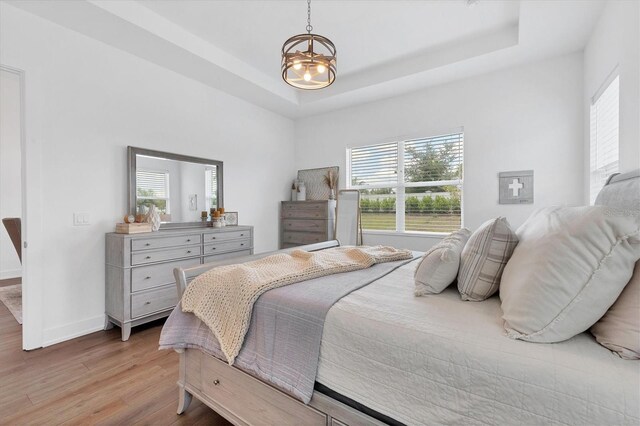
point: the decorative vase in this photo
(153, 217)
(332, 193)
(302, 192)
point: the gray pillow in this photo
(483, 259)
(439, 266)
(570, 266)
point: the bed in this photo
(389, 357)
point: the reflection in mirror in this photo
(180, 187)
(348, 228)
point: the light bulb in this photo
(307, 76)
(297, 65)
(321, 68)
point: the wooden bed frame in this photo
(243, 399)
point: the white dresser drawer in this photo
(226, 246)
(145, 277)
(163, 242)
(141, 258)
(225, 236)
(229, 255)
(154, 300)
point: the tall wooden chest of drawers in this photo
(139, 282)
(306, 222)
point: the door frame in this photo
(32, 313)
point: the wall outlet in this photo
(81, 219)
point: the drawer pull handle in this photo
(213, 248)
(242, 235)
(147, 278)
(189, 240)
(148, 257)
(241, 244)
(216, 382)
(147, 244)
(188, 251)
(213, 238)
(147, 303)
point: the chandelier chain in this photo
(309, 27)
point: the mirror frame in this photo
(133, 151)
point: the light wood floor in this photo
(94, 379)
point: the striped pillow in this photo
(483, 259)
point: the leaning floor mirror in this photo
(348, 224)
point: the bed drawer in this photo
(309, 225)
(228, 387)
(225, 236)
(153, 300)
(141, 258)
(163, 242)
(145, 277)
(226, 246)
(289, 237)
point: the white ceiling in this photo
(367, 33)
(385, 48)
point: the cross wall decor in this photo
(516, 187)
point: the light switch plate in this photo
(516, 187)
(81, 219)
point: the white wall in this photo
(10, 174)
(85, 103)
(529, 117)
(615, 41)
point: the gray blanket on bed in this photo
(282, 346)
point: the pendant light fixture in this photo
(309, 60)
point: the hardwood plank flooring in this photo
(94, 379)
(10, 281)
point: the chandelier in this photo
(308, 60)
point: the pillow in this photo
(619, 328)
(570, 266)
(483, 259)
(439, 266)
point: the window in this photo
(413, 185)
(604, 125)
(211, 187)
(152, 187)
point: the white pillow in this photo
(619, 329)
(570, 266)
(483, 259)
(439, 266)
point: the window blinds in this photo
(152, 184)
(433, 159)
(375, 165)
(604, 137)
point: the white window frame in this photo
(400, 185)
(593, 167)
(207, 185)
(167, 189)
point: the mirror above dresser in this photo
(180, 186)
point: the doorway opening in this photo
(11, 206)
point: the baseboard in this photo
(10, 273)
(51, 336)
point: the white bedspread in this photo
(437, 359)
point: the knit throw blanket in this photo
(223, 297)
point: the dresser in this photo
(140, 286)
(306, 222)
